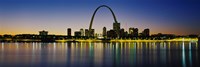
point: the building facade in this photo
(82, 32)
(77, 33)
(69, 31)
(43, 32)
(116, 27)
(104, 31)
(146, 32)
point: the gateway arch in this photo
(91, 22)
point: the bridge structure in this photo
(91, 22)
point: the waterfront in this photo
(98, 54)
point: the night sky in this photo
(181, 17)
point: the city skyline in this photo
(29, 17)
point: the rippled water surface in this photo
(91, 54)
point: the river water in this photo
(98, 54)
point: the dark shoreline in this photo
(198, 40)
(100, 40)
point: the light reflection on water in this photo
(85, 54)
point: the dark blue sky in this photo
(161, 16)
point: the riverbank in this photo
(198, 40)
(104, 40)
(129, 40)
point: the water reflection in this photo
(183, 55)
(91, 54)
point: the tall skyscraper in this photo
(122, 33)
(133, 32)
(92, 32)
(146, 32)
(104, 31)
(111, 34)
(69, 31)
(116, 27)
(86, 32)
(82, 32)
